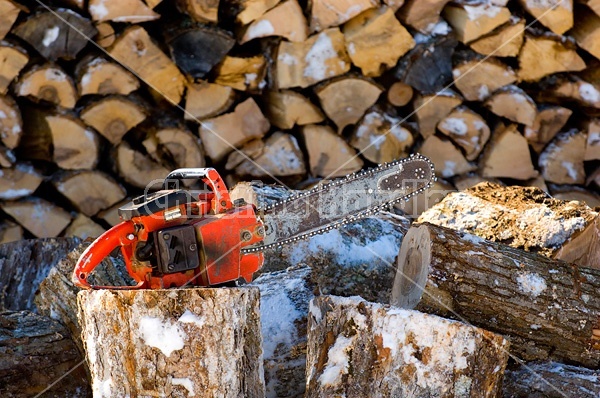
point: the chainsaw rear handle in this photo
(208, 175)
(121, 235)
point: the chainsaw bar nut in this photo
(246, 236)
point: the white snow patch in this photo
(15, 193)
(103, 388)
(2, 115)
(449, 167)
(185, 383)
(455, 125)
(531, 283)
(99, 10)
(571, 170)
(287, 59)
(482, 10)
(165, 336)
(589, 93)
(50, 36)
(535, 326)
(337, 362)
(456, 73)
(376, 141)
(316, 57)
(189, 317)
(351, 48)
(315, 311)
(546, 4)
(439, 29)
(483, 92)
(55, 74)
(260, 29)
(249, 78)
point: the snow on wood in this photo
(548, 122)
(562, 160)
(592, 148)
(477, 79)
(448, 159)
(284, 298)
(505, 41)
(327, 13)
(547, 308)
(422, 14)
(357, 349)
(546, 55)
(514, 104)
(556, 15)
(18, 182)
(97, 75)
(472, 21)
(285, 20)
(133, 11)
(48, 83)
(467, 129)
(178, 342)
(430, 109)
(40, 217)
(241, 73)
(522, 217)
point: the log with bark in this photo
(179, 342)
(12, 60)
(18, 182)
(358, 349)
(547, 308)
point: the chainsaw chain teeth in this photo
(366, 174)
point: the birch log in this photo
(548, 309)
(177, 343)
(361, 349)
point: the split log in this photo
(287, 108)
(113, 116)
(548, 309)
(139, 169)
(399, 94)
(430, 109)
(7, 157)
(507, 155)
(562, 160)
(57, 295)
(40, 217)
(48, 83)
(136, 50)
(9, 12)
(594, 5)
(525, 218)
(556, 15)
(368, 37)
(199, 10)
(284, 20)
(422, 14)
(244, 74)
(346, 99)
(576, 90)
(19, 181)
(467, 129)
(514, 104)
(550, 379)
(12, 60)
(214, 334)
(89, 191)
(36, 351)
(222, 134)
(328, 13)
(329, 155)
(10, 232)
(592, 147)
(100, 76)
(284, 298)
(249, 10)
(25, 264)
(53, 36)
(204, 100)
(428, 66)
(111, 215)
(359, 349)
(416, 205)
(106, 35)
(132, 11)
(11, 124)
(84, 228)
(279, 156)
(174, 147)
(470, 22)
(74, 145)
(448, 159)
(320, 57)
(380, 138)
(477, 79)
(570, 192)
(548, 122)
(546, 55)
(504, 41)
(197, 49)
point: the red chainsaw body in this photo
(176, 238)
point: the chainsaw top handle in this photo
(208, 175)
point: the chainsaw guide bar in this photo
(343, 201)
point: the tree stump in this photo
(548, 309)
(35, 352)
(177, 343)
(361, 349)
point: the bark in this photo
(547, 308)
(178, 343)
(360, 349)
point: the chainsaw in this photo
(179, 237)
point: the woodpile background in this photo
(507, 91)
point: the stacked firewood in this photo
(99, 99)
